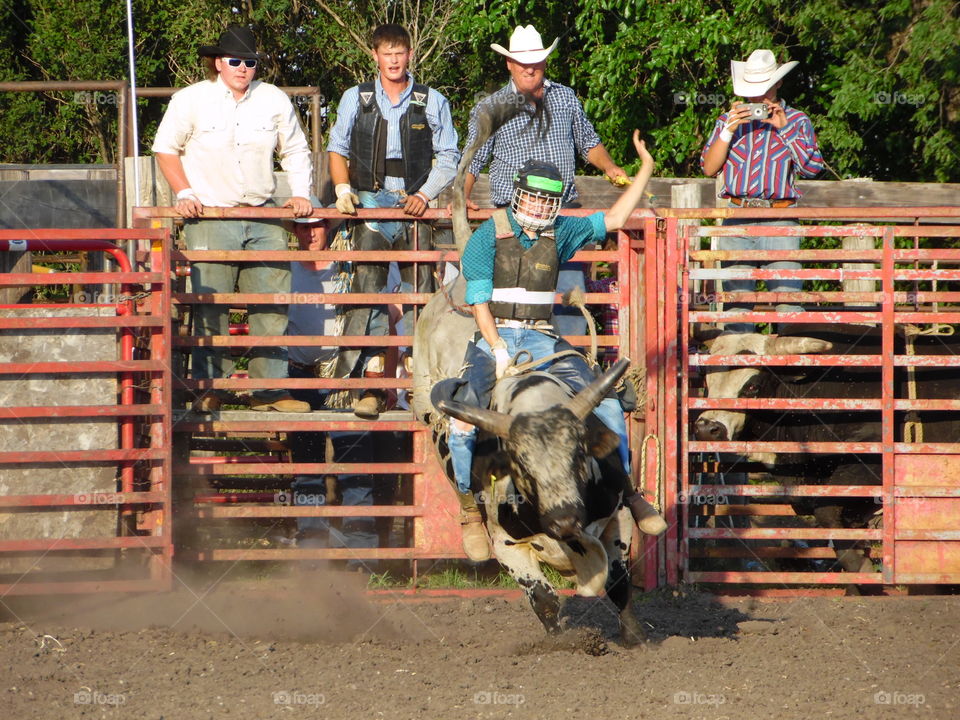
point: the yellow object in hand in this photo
(621, 181)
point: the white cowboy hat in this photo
(526, 47)
(758, 74)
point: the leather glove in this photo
(347, 200)
(501, 356)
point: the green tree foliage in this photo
(881, 81)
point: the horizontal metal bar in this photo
(751, 551)
(785, 534)
(295, 511)
(232, 555)
(948, 535)
(78, 278)
(68, 235)
(281, 422)
(908, 578)
(285, 468)
(332, 383)
(23, 412)
(784, 491)
(71, 323)
(80, 456)
(357, 256)
(83, 499)
(786, 578)
(696, 403)
(46, 545)
(340, 340)
(747, 448)
(341, 298)
(74, 367)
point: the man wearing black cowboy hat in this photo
(215, 147)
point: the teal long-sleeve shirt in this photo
(476, 263)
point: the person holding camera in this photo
(761, 146)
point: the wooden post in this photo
(858, 285)
(687, 195)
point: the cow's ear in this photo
(601, 441)
(777, 345)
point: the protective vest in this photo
(368, 142)
(524, 280)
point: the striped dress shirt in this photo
(763, 161)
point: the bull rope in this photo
(658, 499)
(913, 426)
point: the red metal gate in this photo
(85, 497)
(234, 468)
(731, 533)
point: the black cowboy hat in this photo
(236, 41)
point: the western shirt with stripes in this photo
(763, 161)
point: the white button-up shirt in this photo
(227, 145)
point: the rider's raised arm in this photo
(616, 216)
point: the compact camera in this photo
(758, 111)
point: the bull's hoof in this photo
(631, 634)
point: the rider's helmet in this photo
(537, 192)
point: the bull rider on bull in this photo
(510, 265)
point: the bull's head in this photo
(743, 382)
(548, 451)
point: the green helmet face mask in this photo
(538, 192)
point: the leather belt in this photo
(762, 202)
(393, 167)
(518, 324)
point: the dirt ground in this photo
(317, 646)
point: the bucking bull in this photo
(844, 382)
(545, 473)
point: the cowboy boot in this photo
(645, 515)
(372, 401)
(476, 544)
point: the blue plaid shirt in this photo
(519, 140)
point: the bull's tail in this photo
(490, 115)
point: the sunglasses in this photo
(235, 62)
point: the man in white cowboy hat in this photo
(553, 128)
(567, 130)
(761, 146)
(215, 146)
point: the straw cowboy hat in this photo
(758, 74)
(526, 47)
(236, 41)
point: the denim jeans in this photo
(538, 345)
(379, 322)
(759, 242)
(259, 277)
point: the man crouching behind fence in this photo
(215, 147)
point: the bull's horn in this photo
(583, 403)
(492, 421)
